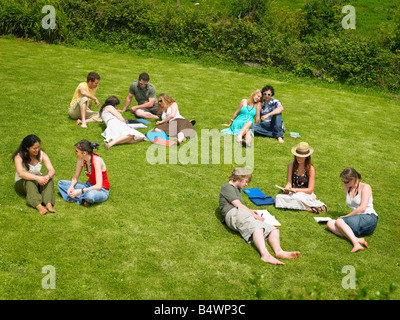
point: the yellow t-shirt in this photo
(78, 94)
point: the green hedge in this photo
(308, 42)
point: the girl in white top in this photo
(172, 122)
(29, 181)
(363, 219)
(117, 131)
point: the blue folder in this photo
(152, 135)
(258, 197)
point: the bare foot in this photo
(78, 122)
(270, 259)
(288, 254)
(357, 247)
(363, 242)
(83, 125)
(280, 140)
(42, 210)
(49, 207)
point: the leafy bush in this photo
(307, 42)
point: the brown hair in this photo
(307, 164)
(92, 76)
(350, 173)
(239, 174)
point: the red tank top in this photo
(92, 174)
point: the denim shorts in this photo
(362, 224)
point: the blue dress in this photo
(247, 113)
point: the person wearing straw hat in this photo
(247, 222)
(298, 193)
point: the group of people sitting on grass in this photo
(298, 194)
(118, 130)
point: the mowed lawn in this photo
(160, 235)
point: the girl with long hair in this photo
(29, 180)
(243, 118)
(117, 131)
(363, 219)
(300, 181)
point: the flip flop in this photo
(315, 210)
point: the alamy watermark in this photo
(49, 280)
(349, 21)
(204, 149)
(349, 281)
(49, 20)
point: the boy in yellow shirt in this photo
(80, 106)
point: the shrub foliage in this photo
(309, 42)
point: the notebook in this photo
(163, 142)
(270, 219)
(153, 135)
(258, 197)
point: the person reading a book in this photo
(298, 193)
(81, 103)
(248, 222)
(96, 189)
(243, 118)
(117, 131)
(172, 122)
(29, 180)
(363, 219)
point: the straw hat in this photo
(302, 150)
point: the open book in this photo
(285, 189)
(270, 219)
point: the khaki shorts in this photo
(242, 221)
(74, 111)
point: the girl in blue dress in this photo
(243, 118)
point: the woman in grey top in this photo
(248, 222)
(117, 131)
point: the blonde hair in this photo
(240, 173)
(166, 100)
(250, 101)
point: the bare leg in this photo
(342, 229)
(275, 243)
(244, 130)
(258, 239)
(145, 114)
(180, 138)
(124, 139)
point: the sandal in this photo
(315, 210)
(324, 206)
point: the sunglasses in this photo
(267, 94)
(346, 182)
(143, 84)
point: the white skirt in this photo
(298, 201)
(116, 128)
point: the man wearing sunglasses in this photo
(271, 124)
(145, 95)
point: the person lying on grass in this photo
(248, 222)
(300, 182)
(96, 189)
(29, 181)
(363, 219)
(117, 131)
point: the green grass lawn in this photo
(160, 235)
